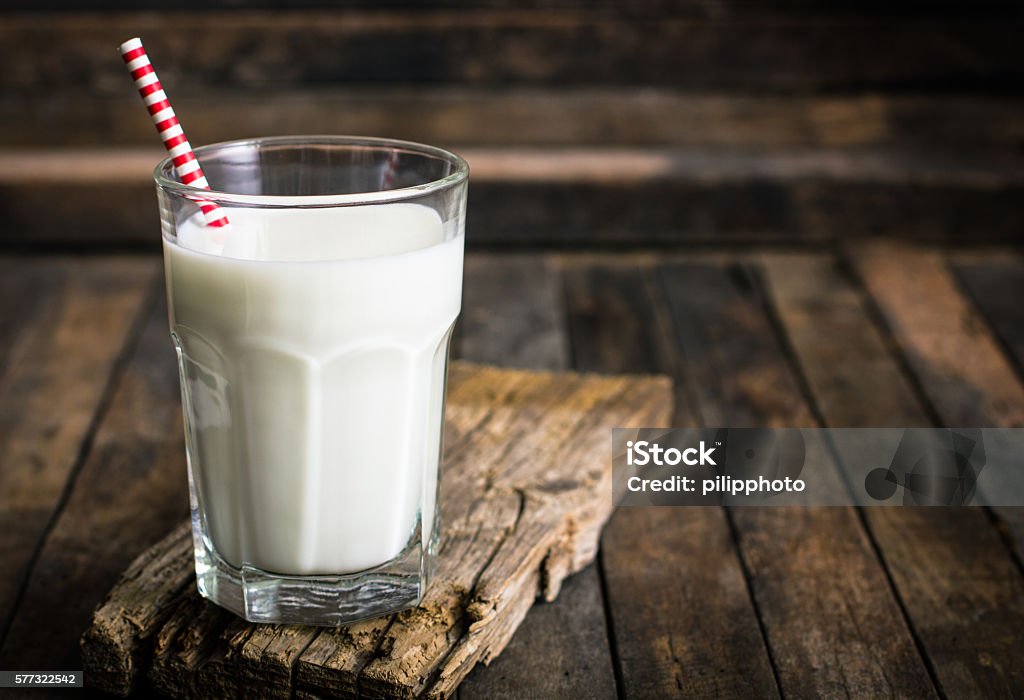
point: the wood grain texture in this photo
(129, 491)
(832, 622)
(527, 484)
(267, 50)
(995, 283)
(713, 9)
(961, 590)
(841, 353)
(117, 643)
(24, 283)
(607, 165)
(513, 315)
(580, 196)
(64, 324)
(560, 650)
(672, 576)
(531, 116)
(952, 351)
(959, 364)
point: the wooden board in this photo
(692, 603)
(995, 282)
(269, 50)
(128, 489)
(960, 589)
(526, 489)
(709, 9)
(587, 196)
(809, 569)
(956, 357)
(594, 116)
(672, 575)
(562, 648)
(63, 327)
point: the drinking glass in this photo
(312, 338)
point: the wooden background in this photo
(647, 123)
(806, 216)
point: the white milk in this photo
(313, 345)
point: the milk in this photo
(313, 348)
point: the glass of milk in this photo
(312, 336)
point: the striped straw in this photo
(167, 126)
(390, 171)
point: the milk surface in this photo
(313, 346)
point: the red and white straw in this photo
(167, 126)
(390, 171)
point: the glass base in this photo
(260, 596)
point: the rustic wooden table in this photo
(705, 126)
(695, 601)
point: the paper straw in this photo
(390, 171)
(162, 114)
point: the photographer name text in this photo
(645, 454)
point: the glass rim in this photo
(458, 176)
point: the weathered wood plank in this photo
(716, 9)
(333, 661)
(560, 551)
(519, 514)
(577, 196)
(616, 323)
(117, 643)
(957, 359)
(628, 167)
(513, 315)
(63, 326)
(811, 569)
(948, 345)
(560, 650)
(995, 283)
(672, 576)
(129, 491)
(960, 589)
(24, 284)
(623, 165)
(853, 377)
(265, 50)
(532, 117)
